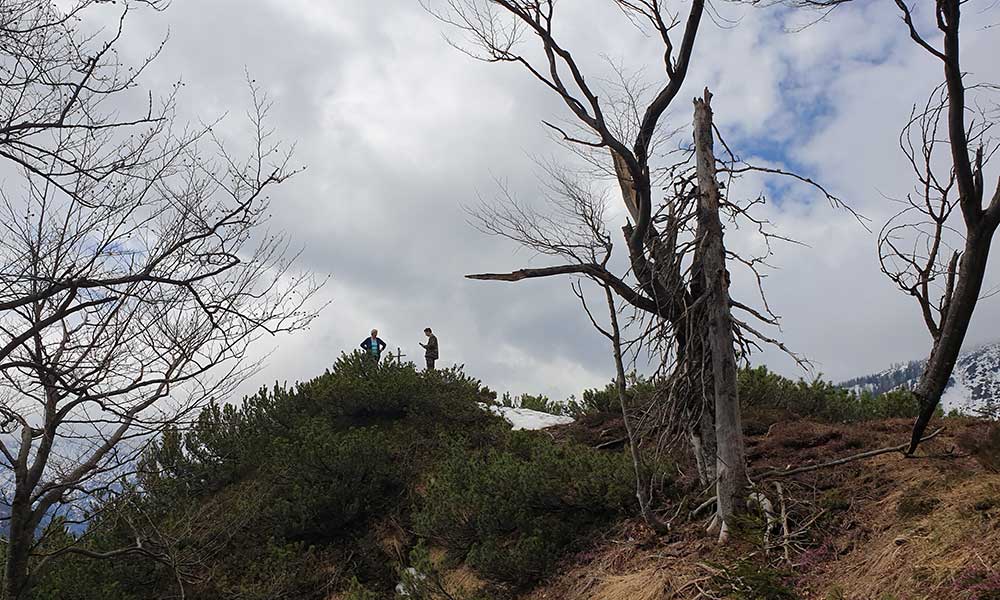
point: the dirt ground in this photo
(883, 528)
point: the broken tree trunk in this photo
(666, 285)
(730, 464)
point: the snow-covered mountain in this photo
(974, 387)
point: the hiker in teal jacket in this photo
(373, 346)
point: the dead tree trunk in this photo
(641, 479)
(661, 279)
(964, 286)
(730, 464)
(703, 445)
(965, 283)
(919, 268)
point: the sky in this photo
(400, 133)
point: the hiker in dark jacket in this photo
(430, 348)
(373, 346)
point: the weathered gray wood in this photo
(731, 463)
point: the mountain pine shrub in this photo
(511, 511)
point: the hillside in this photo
(887, 528)
(371, 483)
(974, 388)
(340, 484)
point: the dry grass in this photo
(649, 583)
(457, 580)
(907, 529)
(923, 556)
(629, 565)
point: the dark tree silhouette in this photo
(135, 271)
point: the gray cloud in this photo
(398, 131)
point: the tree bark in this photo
(980, 224)
(19, 539)
(731, 463)
(954, 326)
(704, 447)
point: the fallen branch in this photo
(610, 443)
(833, 463)
(703, 506)
(767, 507)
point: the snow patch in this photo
(525, 418)
(957, 396)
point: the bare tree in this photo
(665, 282)
(700, 376)
(494, 31)
(710, 268)
(643, 493)
(136, 271)
(931, 251)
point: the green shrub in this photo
(638, 389)
(314, 467)
(73, 577)
(356, 591)
(330, 480)
(603, 400)
(540, 403)
(512, 511)
(279, 570)
(763, 393)
(261, 499)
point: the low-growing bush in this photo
(512, 511)
(977, 583)
(260, 496)
(356, 591)
(329, 480)
(638, 390)
(773, 397)
(594, 401)
(766, 398)
(540, 403)
(747, 580)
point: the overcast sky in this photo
(398, 131)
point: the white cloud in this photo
(398, 131)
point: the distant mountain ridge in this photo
(974, 387)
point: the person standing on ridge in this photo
(430, 348)
(373, 346)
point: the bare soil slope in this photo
(883, 528)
